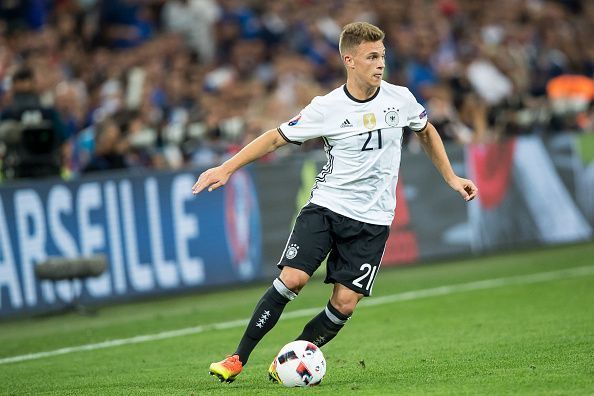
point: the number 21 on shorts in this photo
(369, 272)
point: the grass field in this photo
(520, 323)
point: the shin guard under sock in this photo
(324, 327)
(267, 312)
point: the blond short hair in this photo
(356, 33)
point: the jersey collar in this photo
(351, 97)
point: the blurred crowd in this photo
(169, 84)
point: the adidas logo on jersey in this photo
(346, 123)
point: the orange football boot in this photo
(227, 369)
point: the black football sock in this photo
(269, 309)
(324, 327)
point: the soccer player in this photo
(352, 202)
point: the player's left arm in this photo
(433, 146)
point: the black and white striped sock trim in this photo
(283, 290)
(335, 316)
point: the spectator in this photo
(194, 19)
(110, 148)
(202, 75)
(570, 97)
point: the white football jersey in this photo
(363, 143)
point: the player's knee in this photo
(344, 307)
(293, 283)
(345, 303)
(293, 279)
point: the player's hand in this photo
(465, 187)
(212, 178)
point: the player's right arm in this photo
(216, 177)
(433, 146)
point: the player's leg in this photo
(265, 315)
(307, 247)
(269, 309)
(352, 267)
(324, 327)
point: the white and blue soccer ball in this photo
(300, 363)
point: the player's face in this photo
(369, 62)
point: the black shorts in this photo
(355, 247)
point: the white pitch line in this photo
(404, 296)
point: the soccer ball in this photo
(300, 363)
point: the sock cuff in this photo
(335, 315)
(283, 290)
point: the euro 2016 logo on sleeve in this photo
(292, 251)
(295, 120)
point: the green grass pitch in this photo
(527, 333)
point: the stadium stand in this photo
(186, 82)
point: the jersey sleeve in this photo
(308, 124)
(417, 115)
